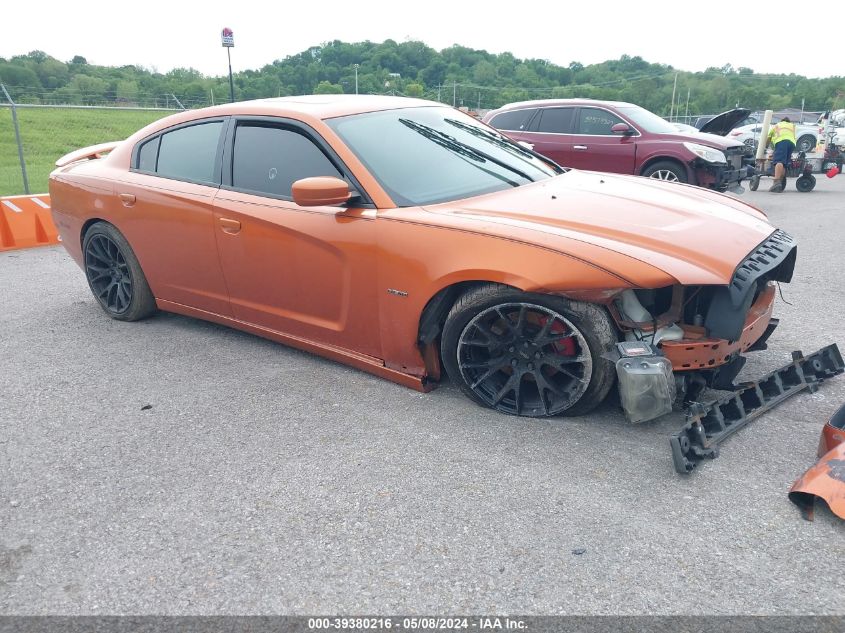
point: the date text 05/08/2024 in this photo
(417, 623)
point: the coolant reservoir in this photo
(646, 382)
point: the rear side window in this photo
(556, 120)
(596, 122)
(515, 120)
(189, 153)
(269, 159)
(148, 155)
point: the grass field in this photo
(49, 133)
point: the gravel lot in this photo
(266, 480)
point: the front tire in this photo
(529, 354)
(114, 274)
(666, 171)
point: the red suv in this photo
(621, 138)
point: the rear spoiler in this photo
(87, 153)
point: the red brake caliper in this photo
(564, 347)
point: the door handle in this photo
(128, 199)
(229, 226)
(581, 147)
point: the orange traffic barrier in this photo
(25, 221)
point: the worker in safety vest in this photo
(782, 138)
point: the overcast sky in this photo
(165, 35)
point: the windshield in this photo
(437, 154)
(649, 121)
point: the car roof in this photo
(561, 102)
(309, 109)
(318, 106)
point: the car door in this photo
(168, 215)
(596, 147)
(304, 271)
(550, 132)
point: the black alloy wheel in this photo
(108, 274)
(114, 274)
(524, 359)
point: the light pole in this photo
(355, 66)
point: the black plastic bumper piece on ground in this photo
(709, 424)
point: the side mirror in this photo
(320, 191)
(526, 145)
(622, 128)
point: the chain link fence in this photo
(48, 132)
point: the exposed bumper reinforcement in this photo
(709, 424)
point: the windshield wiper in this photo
(505, 143)
(451, 143)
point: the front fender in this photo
(418, 261)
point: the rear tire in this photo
(667, 171)
(114, 274)
(754, 182)
(529, 354)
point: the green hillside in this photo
(459, 75)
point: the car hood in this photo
(694, 235)
(723, 123)
(702, 138)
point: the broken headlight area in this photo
(721, 175)
(703, 330)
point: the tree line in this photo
(465, 76)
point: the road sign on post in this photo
(227, 39)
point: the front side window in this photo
(596, 122)
(188, 153)
(433, 154)
(269, 159)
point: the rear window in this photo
(515, 120)
(556, 120)
(189, 153)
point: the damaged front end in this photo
(702, 331)
(826, 479)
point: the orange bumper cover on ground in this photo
(825, 480)
(25, 221)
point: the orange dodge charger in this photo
(401, 236)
